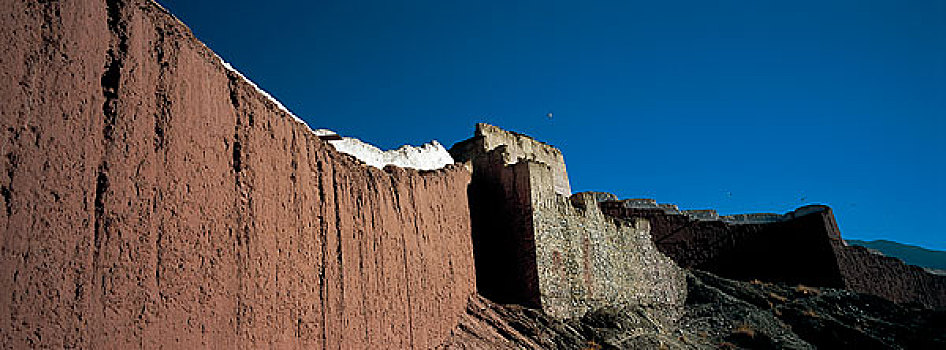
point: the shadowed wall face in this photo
(794, 251)
(151, 197)
(501, 214)
(800, 247)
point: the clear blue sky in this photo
(742, 106)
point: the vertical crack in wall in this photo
(7, 190)
(407, 271)
(159, 253)
(338, 244)
(100, 225)
(297, 210)
(397, 198)
(162, 99)
(361, 253)
(162, 116)
(323, 246)
(237, 160)
(376, 253)
(242, 205)
(111, 85)
(111, 78)
(7, 200)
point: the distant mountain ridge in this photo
(910, 254)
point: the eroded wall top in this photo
(518, 146)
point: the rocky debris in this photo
(153, 197)
(487, 325)
(719, 313)
(770, 315)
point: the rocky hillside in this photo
(719, 314)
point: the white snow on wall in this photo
(429, 156)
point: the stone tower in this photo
(538, 245)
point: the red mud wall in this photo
(151, 197)
(891, 278)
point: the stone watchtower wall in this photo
(800, 247)
(537, 247)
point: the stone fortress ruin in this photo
(153, 196)
(536, 244)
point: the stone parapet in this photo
(518, 146)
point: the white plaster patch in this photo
(429, 156)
